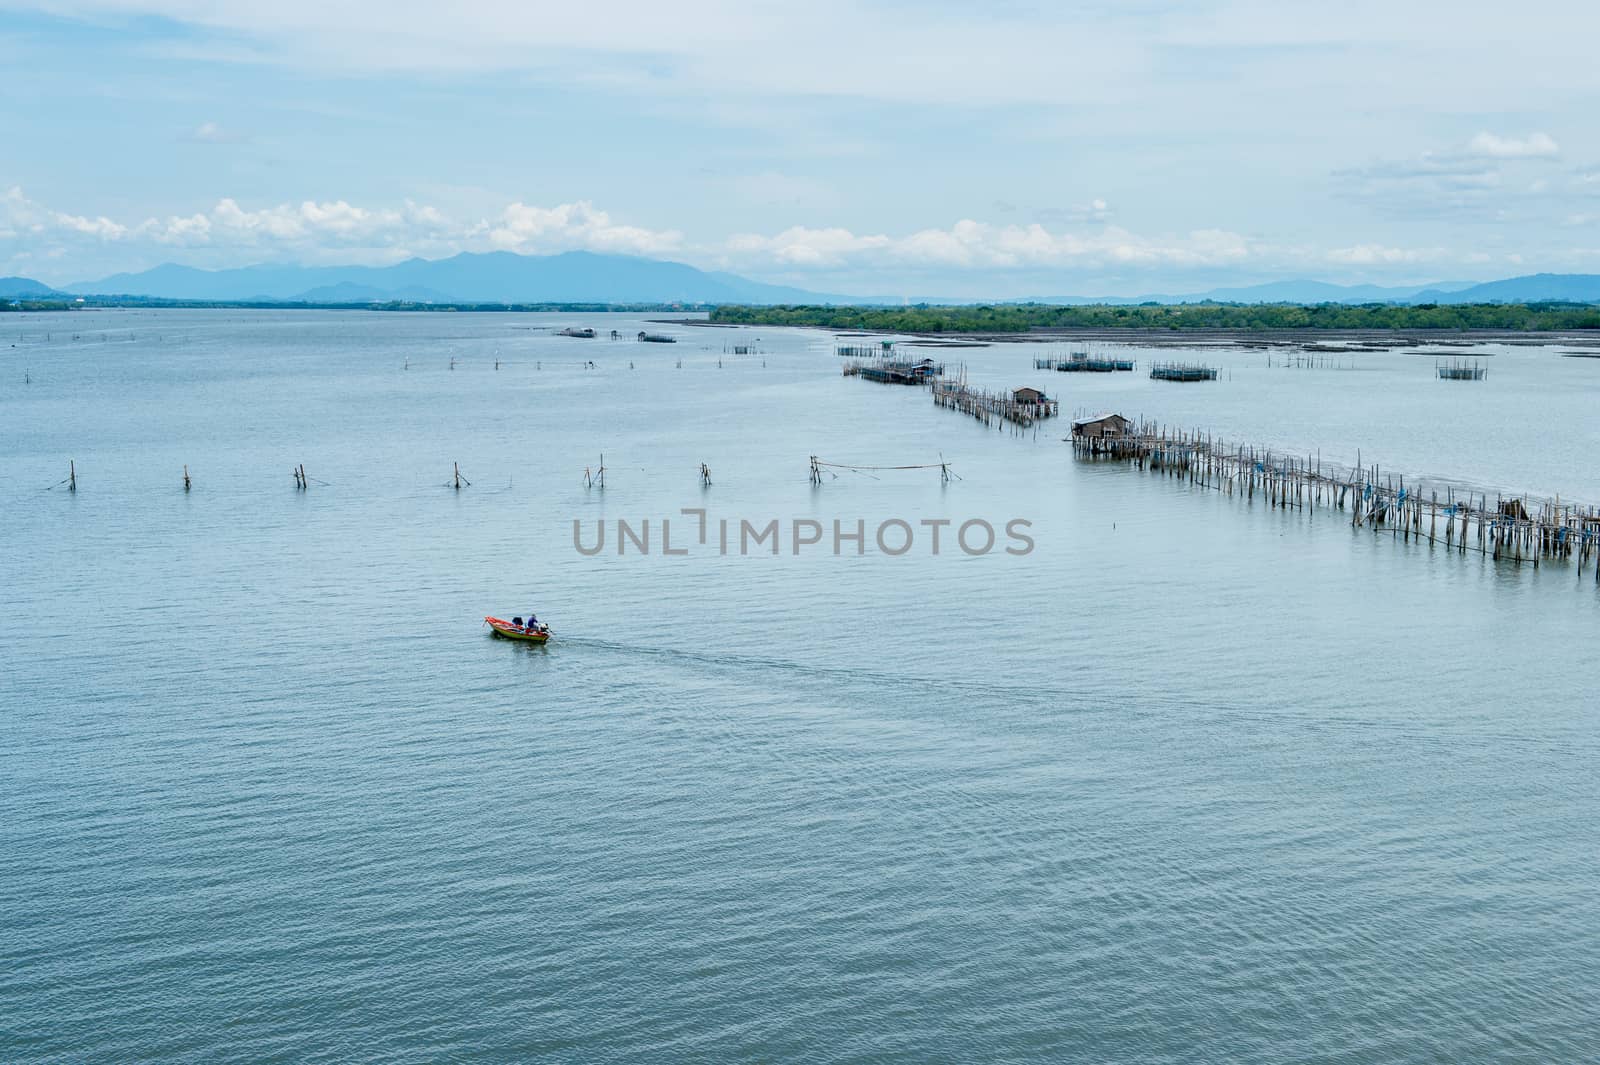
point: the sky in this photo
(1000, 150)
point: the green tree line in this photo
(1023, 317)
(36, 305)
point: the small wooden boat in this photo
(513, 630)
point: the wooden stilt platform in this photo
(1518, 529)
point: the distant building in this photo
(1027, 395)
(1103, 426)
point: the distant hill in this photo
(24, 288)
(1530, 288)
(1302, 291)
(1323, 292)
(492, 277)
(588, 277)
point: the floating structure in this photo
(1083, 362)
(572, 331)
(1097, 430)
(882, 350)
(1182, 371)
(1516, 529)
(656, 338)
(895, 371)
(1022, 407)
(1457, 370)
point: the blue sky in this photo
(891, 148)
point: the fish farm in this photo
(1182, 371)
(1082, 362)
(1461, 371)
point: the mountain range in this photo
(588, 277)
(1531, 288)
(1311, 292)
(489, 277)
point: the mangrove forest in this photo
(1027, 317)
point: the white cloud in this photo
(804, 246)
(1237, 107)
(230, 233)
(1378, 254)
(307, 225)
(946, 53)
(102, 226)
(1489, 176)
(337, 230)
(523, 228)
(21, 217)
(1129, 55)
(973, 245)
(1533, 146)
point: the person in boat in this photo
(533, 624)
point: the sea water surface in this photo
(1193, 780)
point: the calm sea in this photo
(1192, 781)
